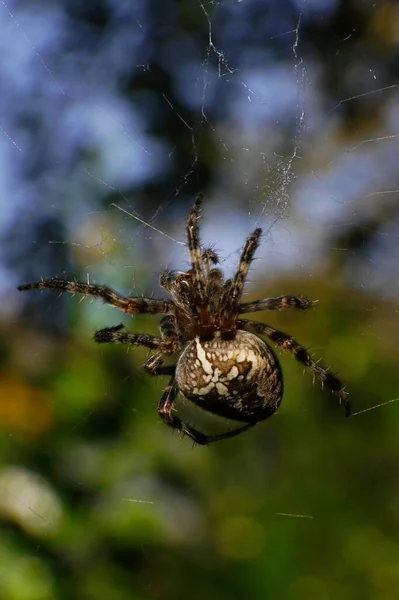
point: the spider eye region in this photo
(239, 378)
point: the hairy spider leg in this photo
(108, 296)
(165, 408)
(209, 257)
(167, 327)
(278, 303)
(154, 364)
(167, 344)
(230, 305)
(288, 343)
(195, 252)
(166, 280)
(114, 335)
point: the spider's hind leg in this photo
(289, 344)
(165, 408)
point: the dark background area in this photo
(113, 116)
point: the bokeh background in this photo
(114, 114)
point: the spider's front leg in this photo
(128, 305)
(288, 343)
(165, 408)
(230, 301)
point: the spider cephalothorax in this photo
(223, 366)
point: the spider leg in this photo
(208, 258)
(166, 280)
(214, 289)
(108, 296)
(153, 364)
(278, 303)
(288, 343)
(166, 370)
(114, 335)
(165, 408)
(230, 305)
(167, 328)
(195, 252)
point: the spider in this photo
(223, 366)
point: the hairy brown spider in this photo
(223, 367)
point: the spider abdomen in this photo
(239, 378)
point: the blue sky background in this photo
(70, 138)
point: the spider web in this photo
(96, 189)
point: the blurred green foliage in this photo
(101, 500)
